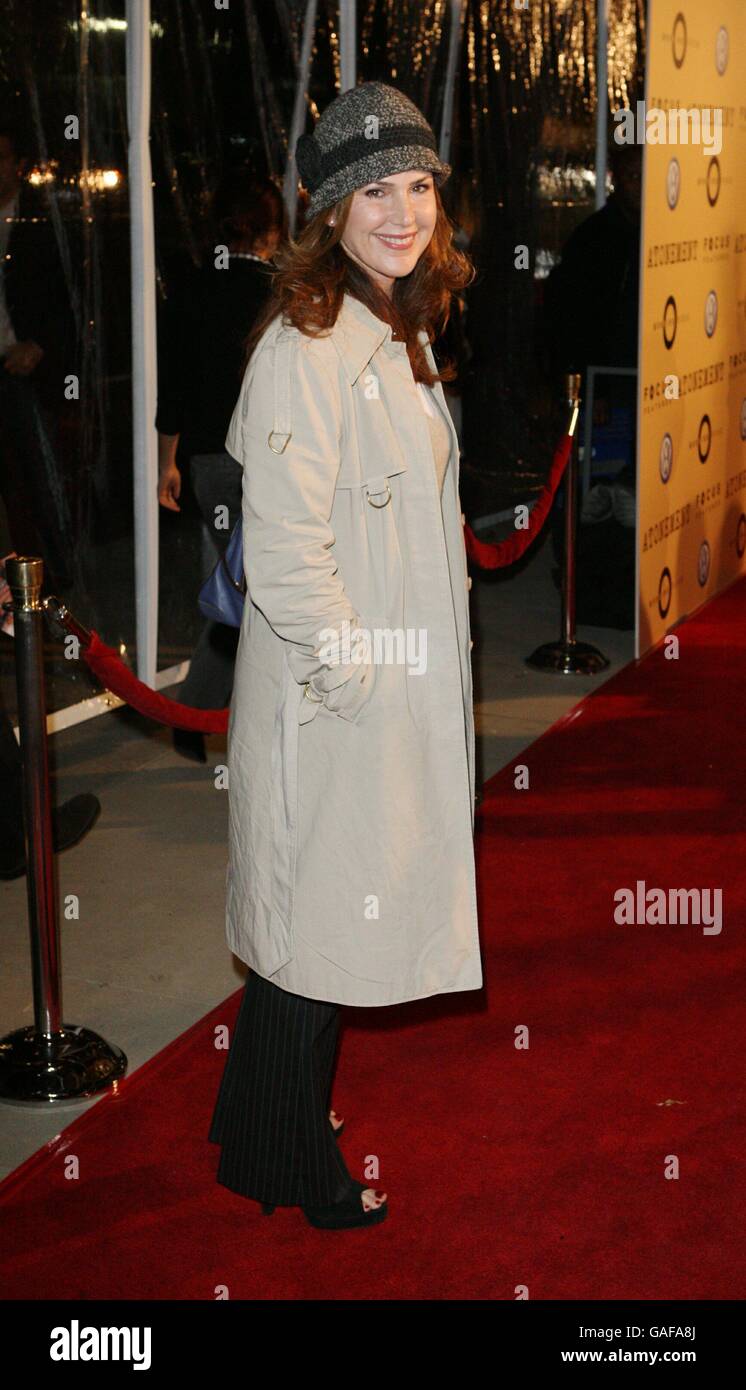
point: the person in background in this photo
(37, 351)
(591, 296)
(201, 343)
(592, 308)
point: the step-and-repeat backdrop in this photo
(692, 384)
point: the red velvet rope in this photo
(107, 664)
(490, 556)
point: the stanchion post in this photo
(51, 1062)
(571, 504)
(568, 656)
(25, 577)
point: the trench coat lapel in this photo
(358, 336)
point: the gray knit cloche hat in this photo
(366, 133)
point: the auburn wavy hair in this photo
(313, 273)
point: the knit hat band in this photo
(366, 133)
(316, 166)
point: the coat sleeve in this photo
(291, 571)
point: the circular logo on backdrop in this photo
(664, 592)
(741, 535)
(704, 439)
(743, 418)
(713, 180)
(678, 40)
(673, 183)
(670, 319)
(703, 564)
(665, 458)
(721, 50)
(711, 313)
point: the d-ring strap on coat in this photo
(283, 420)
(370, 495)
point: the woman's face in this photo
(389, 225)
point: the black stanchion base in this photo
(57, 1068)
(569, 658)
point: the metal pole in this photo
(602, 99)
(568, 656)
(571, 504)
(25, 577)
(347, 44)
(51, 1062)
(290, 182)
(144, 359)
(454, 40)
(590, 387)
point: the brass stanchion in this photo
(568, 656)
(51, 1062)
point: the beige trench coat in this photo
(351, 765)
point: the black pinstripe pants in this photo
(272, 1111)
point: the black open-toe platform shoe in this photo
(349, 1212)
(340, 1216)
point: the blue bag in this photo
(222, 596)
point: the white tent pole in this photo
(602, 100)
(347, 44)
(454, 42)
(290, 182)
(144, 368)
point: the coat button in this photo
(468, 582)
(463, 519)
(471, 644)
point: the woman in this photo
(351, 744)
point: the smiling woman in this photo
(377, 230)
(351, 877)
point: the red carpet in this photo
(543, 1167)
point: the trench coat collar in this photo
(358, 334)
